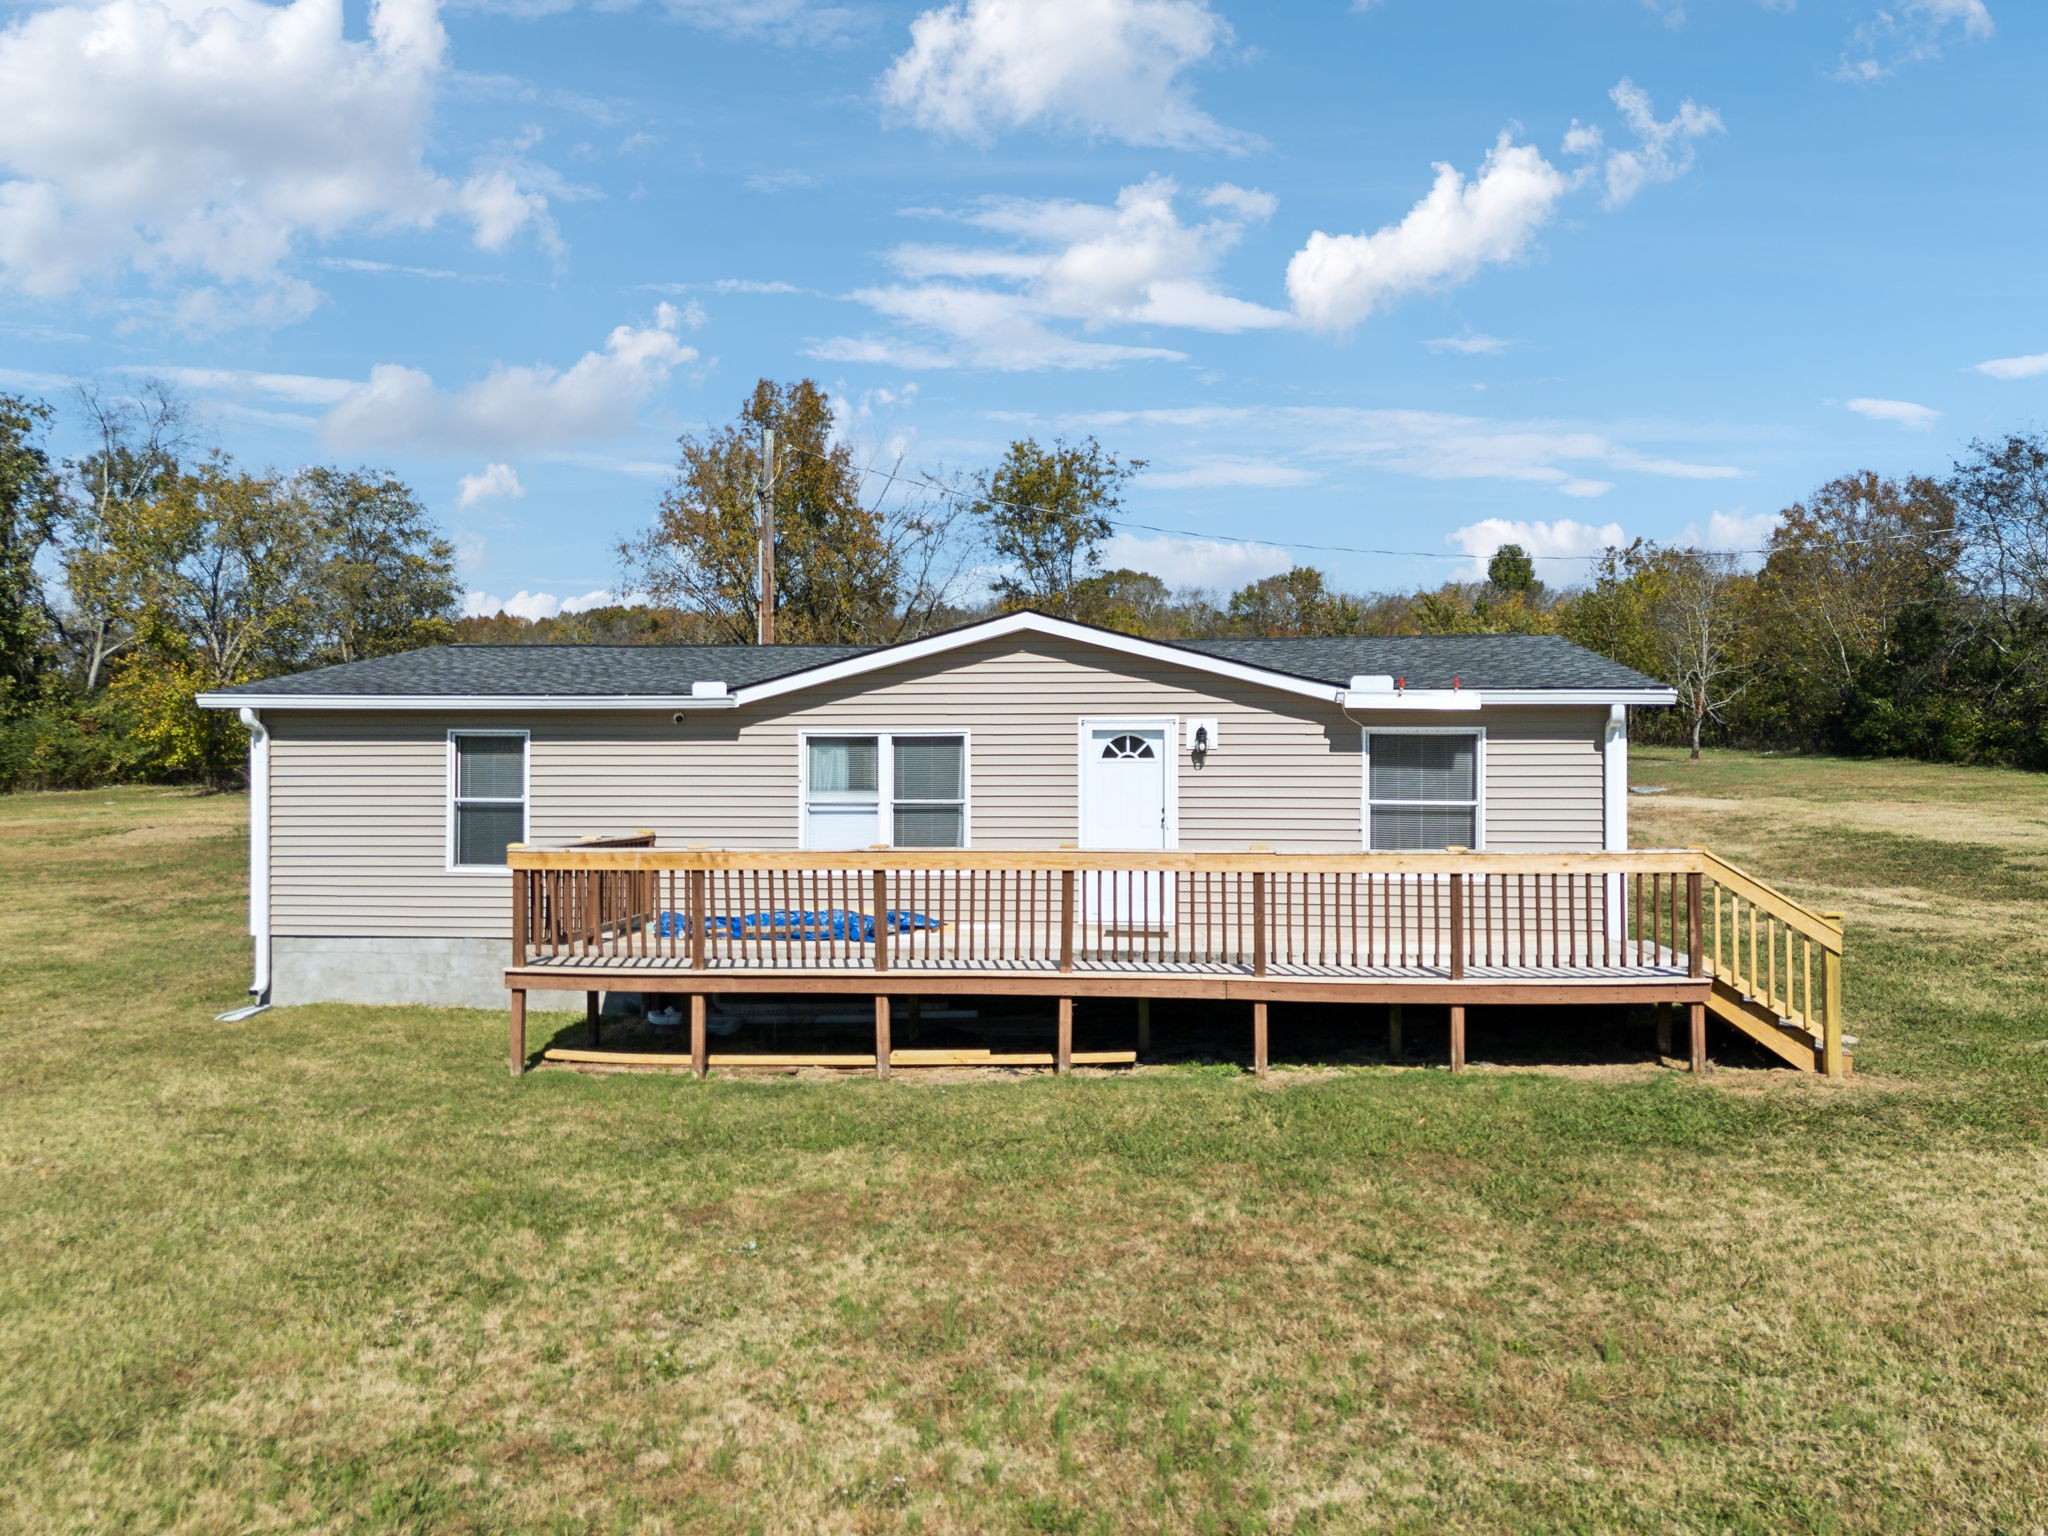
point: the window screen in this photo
(1423, 791)
(490, 797)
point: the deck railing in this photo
(1500, 917)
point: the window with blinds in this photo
(487, 810)
(1422, 790)
(903, 791)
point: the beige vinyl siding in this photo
(359, 801)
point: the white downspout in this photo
(259, 866)
(1614, 807)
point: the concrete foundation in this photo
(437, 973)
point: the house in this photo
(393, 796)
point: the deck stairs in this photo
(1760, 950)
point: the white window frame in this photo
(885, 777)
(1365, 800)
(1169, 754)
(525, 801)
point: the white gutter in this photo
(259, 866)
(443, 703)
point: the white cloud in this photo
(1910, 32)
(441, 274)
(1133, 263)
(781, 181)
(530, 409)
(532, 605)
(1664, 150)
(494, 482)
(1548, 542)
(1336, 281)
(1902, 413)
(1471, 343)
(216, 137)
(2015, 367)
(1431, 445)
(789, 23)
(1103, 68)
(1195, 562)
(1225, 472)
(300, 388)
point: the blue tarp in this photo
(835, 923)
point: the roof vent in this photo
(1376, 682)
(707, 690)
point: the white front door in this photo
(1125, 784)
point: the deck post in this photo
(700, 1044)
(881, 888)
(1695, 926)
(590, 1016)
(1394, 1031)
(1457, 1034)
(1698, 1020)
(1832, 1063)
(1144, 1025)
(699, 919)
(1063, 1053)
(1259, 1057)
(1664, 1029)
(1458, 931)
(515, 1033)
(1259, 923)
(522, 899)
(1066, 919)
(882, 1037)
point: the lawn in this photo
(328, 1269)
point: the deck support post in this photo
(1457, 1037)
(1063, 1051)
(1698, 1021)
(590, 1016)
(1664, 1029)
(882, 1038)
(1394, 1049)
(1144, 1025)
(515, 1033)
(1259, 1056)
(1458, 932)
(700, 1043)
(1833, 1053)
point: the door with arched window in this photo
(1127, 785)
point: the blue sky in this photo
(1411, 275)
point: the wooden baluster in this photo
(1259, 922)
(881, 889)
(1066, 919)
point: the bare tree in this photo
(138, 442)
(1697, 616)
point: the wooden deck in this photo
(1669, 927)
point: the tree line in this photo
(1885, 616)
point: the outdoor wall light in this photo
(1198, 749)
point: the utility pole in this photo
(764, 483)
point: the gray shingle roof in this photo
(630, 671)
(564, 671)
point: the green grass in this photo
(329, 1270)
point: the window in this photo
(907, 791)
(1121, 747)
(487, 799)
(1422, 790)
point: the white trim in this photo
(885, 776)
(1428, 699)
(525, 796)
(1169, 752)
(1365, 800)
(451, 703)
(259, 868)
(1614, 806)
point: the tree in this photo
(1297, 601)
(2000, 495)
(31, 510)
(1046, 512)
(387, 577)
(1615, 616)
(844, 569)
(1132, 602)
(1511, 570)
(224, 573)
(1702, 645)
(138, 441)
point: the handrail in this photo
(1809, 923)
(1664, 861)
